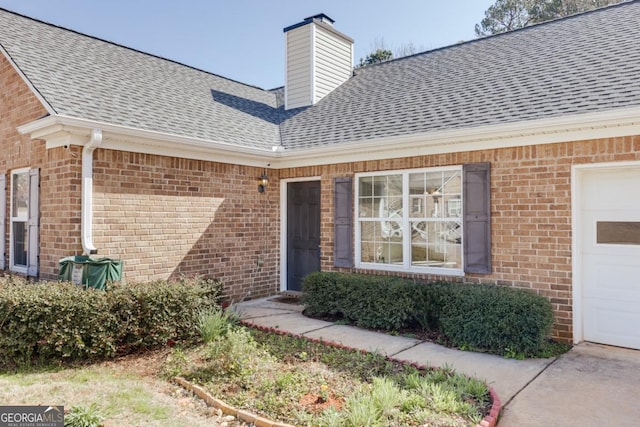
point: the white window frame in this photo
(406, 265)
(12, 266)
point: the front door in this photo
(303, 231)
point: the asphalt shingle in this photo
(586, 63)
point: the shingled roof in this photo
(84, 77)
(581, 64)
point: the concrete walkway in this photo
(591, 385)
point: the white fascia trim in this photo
(617, 123)
(24, 78)
(62, 130)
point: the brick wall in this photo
(168, 217)
(530, 208)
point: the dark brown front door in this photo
(303, 232)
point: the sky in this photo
(243, 39)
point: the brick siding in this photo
(168, 217)
(530, 212)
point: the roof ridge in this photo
(131, 49)
(492, 36)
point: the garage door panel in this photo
(611, 187)
(610, 256)
(612, 322)
(610, 277)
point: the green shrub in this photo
(379, 302)
(51, 322)
(214, 323)
(324, 293)
(150, 314)
(83, 416)
(498, 319)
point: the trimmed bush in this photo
(502, 320)
(49, 322)
(53, 321)
(378, 302)
(492, 318)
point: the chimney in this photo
(319, 59)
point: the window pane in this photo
(452, 183)
(417, 183)
(20, 188)
(618, 232)
(20, 243)
(453, 207)
(436, 244)
(381, 242)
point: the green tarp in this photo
(90, 272)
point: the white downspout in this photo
(87, 191)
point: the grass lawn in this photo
(126, 391)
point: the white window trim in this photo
(406, 267)
(12, 266)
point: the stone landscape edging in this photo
(227, 409)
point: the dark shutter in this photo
(476, 206)
(34, 221)
(342, 223)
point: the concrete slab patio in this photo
(591, 385)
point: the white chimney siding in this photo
(319, 59)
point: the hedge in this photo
(485, 317)
(49, 322)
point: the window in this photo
(24, 221)
(410, 220)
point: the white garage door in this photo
(611, 256)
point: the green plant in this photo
(369, 301)
(83, 416)
(236, 355)
(361, 410)
(213, 323)
(44, 323)
(497, 319)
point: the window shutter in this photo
(3, 221)
(33, 221)
(342, 223)
(477, 217)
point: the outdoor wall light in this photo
(262, 182)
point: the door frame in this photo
(577, 183)
(283, 224)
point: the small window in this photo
(618, 232)
(19, 218)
